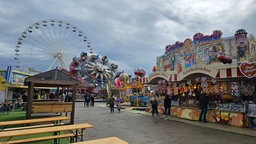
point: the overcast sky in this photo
(132, 33)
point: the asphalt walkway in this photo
(138, 127)
(222, 127)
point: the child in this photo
(118, 100)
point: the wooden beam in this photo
(73, 105)
(29, 100)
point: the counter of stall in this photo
(229, 113)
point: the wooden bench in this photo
(39, 139)
(51, 107)
(55, 120)
(108, 140)
(73, 131)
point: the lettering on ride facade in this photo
(197, 39)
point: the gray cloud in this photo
(131, 33)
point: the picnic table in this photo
(108, 140)
(73, 130)
(55, 120)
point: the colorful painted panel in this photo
(211, 50)
(235, 119)
(18, 78)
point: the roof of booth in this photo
(52, 78)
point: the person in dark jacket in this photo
(203, 102)
(167, 106)
(154, 105)
(87, 99)
(111, 102)
(92, 100)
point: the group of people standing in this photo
(112, 102)
(167, 106)
(203, 104)
(88, 99)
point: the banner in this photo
(8, 73)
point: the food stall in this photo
(223, 68)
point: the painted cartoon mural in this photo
(242, 47)
(222, 68)
(207, 49)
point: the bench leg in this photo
(56, 141)
(6, 141)
(71, 140)
(82, 134)
(76, 135)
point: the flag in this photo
(8, 73)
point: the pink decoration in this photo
(117, 83)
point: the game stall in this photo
(223, 68)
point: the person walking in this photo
(86, 99)
(118, 103)
(24, 101)
(154, 105)
(203, 102)
(111, 102)
(167, 106)
(92, 100)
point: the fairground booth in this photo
(223, 68)
(133, 91)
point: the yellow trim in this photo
(18, 86)
(22, 86)
(2, 79)
(19, 72)
(3, 82)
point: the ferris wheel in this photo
(48, 44)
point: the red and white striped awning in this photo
(173, 77)
(229, 73)
(143, 80)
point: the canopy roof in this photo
(52, 78)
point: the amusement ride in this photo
(53, 43)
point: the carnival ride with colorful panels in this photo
(92, 69)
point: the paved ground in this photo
(138, 128)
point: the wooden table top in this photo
(109, 140)
(44, 130)
(36, 120)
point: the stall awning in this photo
(143, 80)
(173, 77)
(229, 73)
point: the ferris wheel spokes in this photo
(48, 42)
(62, 62)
